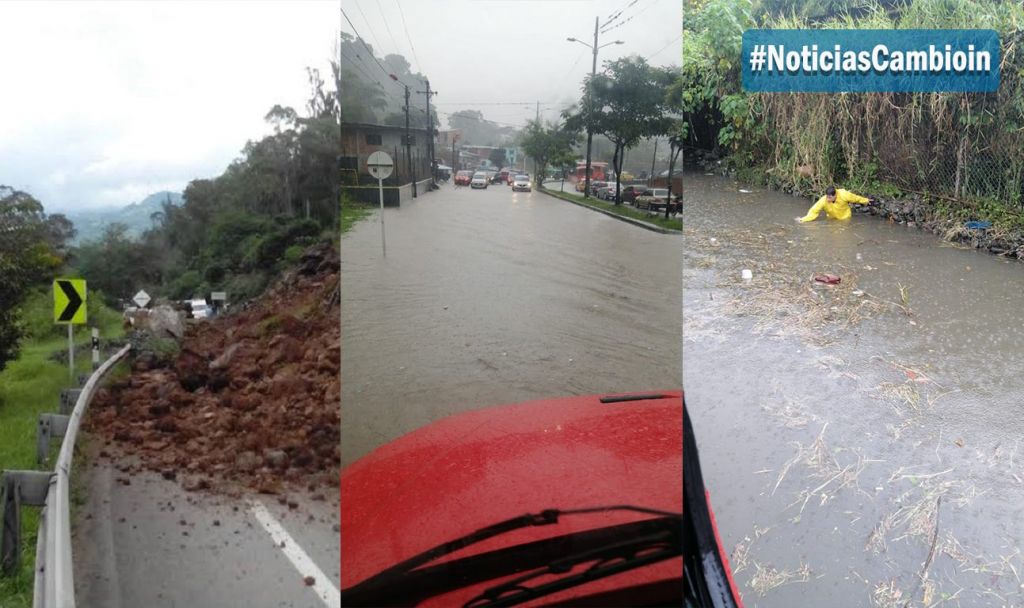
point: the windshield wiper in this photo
(411, 581)
(613, 559)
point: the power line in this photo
(611, 18)
(655, 53)
(388, 27)
(362, 71)
(492, 103)
(368, 49)
(367, 21)
(574, 63)
(630, 19)
(409, 38)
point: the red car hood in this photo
(475, 469)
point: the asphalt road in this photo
(152, 544)
(489, 297)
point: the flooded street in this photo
(489, 297)
(860, 441)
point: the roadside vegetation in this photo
(30, 386)
(658, 219)
(629, 101)
(956, 155)
(352, 211)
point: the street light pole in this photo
(590, 101)
(590, 114)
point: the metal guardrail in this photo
(54, 578)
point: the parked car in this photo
(596, 185)
(480, 180)
(521, 182)
(629, 193)
(655, 198)
(462, 178)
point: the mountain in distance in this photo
(91, 223)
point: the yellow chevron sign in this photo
(69, 297)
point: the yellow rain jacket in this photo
(839, 210)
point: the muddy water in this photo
(916, 400)
(489, 297)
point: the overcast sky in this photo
(481, 52)
(102, 104)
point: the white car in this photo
(521, 182)
(479, 180)
(200, 309)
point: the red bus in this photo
(598, 173)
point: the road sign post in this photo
(95, 348)
(69, 297)
(141, 299)
(381, 166)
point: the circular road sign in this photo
(380, 165)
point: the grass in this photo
(30, 386)
(352, 212)
(675, 223)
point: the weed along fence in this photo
(54, 582)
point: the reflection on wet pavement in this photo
(859, 440)
(489, 297)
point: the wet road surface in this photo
(860, 441)
(489, 297)
(153, 544)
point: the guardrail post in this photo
(19, 487)
(50, 425)
(68, 398)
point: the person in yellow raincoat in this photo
(836, 204)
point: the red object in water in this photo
(475, 469)
(828, 279)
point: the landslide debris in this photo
(250, 399)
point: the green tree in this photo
(551, 144)
(30, 255)
(116, 264)
(625, 103)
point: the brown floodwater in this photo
(489, 297)
(830, 439)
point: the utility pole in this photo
(430, 128)
(408, 139)
(455, 163)
(650, 182)
(590, 101)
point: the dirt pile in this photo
(251, 399)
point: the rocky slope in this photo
(251, 399)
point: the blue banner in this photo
(833, 61)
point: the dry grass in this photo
(779, 302)
(822, 463)
(766, 579)
(740, 558)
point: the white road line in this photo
(322, 585)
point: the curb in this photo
(628, 220)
